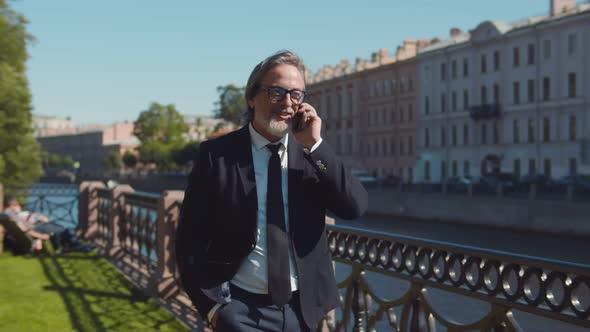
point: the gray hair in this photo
(254, 81)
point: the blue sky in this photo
(105, 61)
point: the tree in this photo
(113, 161)
(20, 156)
(160, 123)
(157, 153)
(187, 153)
(129, 159)
(231, 105)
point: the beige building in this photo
(200, 127)
(509, 98)
(92, 147)
(52, 125)
(369, 111)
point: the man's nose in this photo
(286, 100)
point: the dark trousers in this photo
(255, 312)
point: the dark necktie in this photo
(277, 240)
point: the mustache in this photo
(289, 110)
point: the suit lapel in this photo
(245, 164)
(294, 174)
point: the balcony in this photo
(485, 111)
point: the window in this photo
(443, 137)
(516, 170)
(496, 129)
(454, 135)
(516, 93)
(546, 129)
(378, 89)
(443, 71)
(454, 101)
(465, 99)
(328, 106)
(515, 57)
(496, 94)
(443, 169)
(410, 84)
(547, 167)
(393, 87)
(350, 105)
(410, 145)
(547, 49)
(339, 105)
(573, 166)
(427, 170)
(532, 167)
(484, 94)
(572, 127)
(426, 138)
(531, 91)
(410, 174)
(484, 65)
(546, 88)
(465, 134)
(384, 148)
(402, 150)
(531, 129)
(484, 134)
(410, 112)
(515, 131)
(496, 61)
(426, 105)
(443, 102)
(571, 85)
(571, 44)
(454, 168)
(531, 54)
(465, 67)
(454, 69)
(392, 147)
(466, 167)
(392, 115)
(401, 115)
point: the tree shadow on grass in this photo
(98, 298)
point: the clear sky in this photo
(105, 61)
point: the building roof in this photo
(501, 28)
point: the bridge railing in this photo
(136, 232)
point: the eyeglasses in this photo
(276, 94)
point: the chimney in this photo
(562, 6)
(455, 32)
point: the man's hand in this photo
(311, 124)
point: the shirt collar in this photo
(261, 142)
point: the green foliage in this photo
(162, 131)
(129, 159)
(231, 105)
(160, 123)
(20, 161)
(187, 153)
(113, 161)
(56, 161)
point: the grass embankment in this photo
(74, 292)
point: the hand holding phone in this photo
(298, 124)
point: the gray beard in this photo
(278, 128)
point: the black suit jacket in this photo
(218, 223)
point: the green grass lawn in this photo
(74, 292)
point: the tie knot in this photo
(274, 148)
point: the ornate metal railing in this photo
(555, 290)
(59, 202)
(137, 229)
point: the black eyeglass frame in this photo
(282, 92)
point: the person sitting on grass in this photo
(37, 226)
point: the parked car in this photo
(491, 182)
(580, 182)
(364, 176)
(543, 182)
(459, 183)
(391, 180)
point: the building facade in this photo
(509, 98)
(369, 111)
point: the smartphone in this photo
(297, 122)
